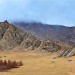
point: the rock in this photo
(69, 60)
(67, 53)
(48, 46)
(5, 21)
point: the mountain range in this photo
(56, 33)
(38, 37)
(13, 38)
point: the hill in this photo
(13, 38)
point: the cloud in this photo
(47, 11)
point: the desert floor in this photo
(36, 63)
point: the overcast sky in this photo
(60, 12)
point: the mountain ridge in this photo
(56, 33)
(15, 38)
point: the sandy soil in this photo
(36, 63)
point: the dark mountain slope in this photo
(54, 33)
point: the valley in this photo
(36, 63)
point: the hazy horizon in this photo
(57, 12)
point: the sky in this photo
(59, 12)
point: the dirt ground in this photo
(36, 63)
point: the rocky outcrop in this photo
(3, 27)
(48, 46)
(11, 38)
(68, 52)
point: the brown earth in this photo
(36, 63)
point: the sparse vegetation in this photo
(37, 63)
(8, 64)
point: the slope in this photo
(14, 38)
(56, 33)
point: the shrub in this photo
(5, 65)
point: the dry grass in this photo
(36, 63)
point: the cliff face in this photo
(68, 52)
(12, 37)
